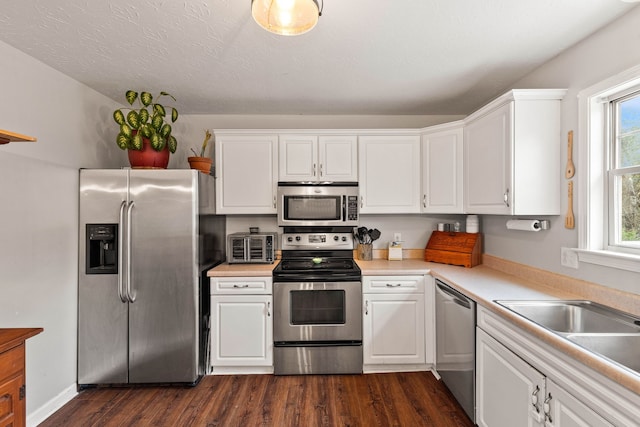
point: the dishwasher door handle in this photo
(455, 296)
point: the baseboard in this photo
(46, 410)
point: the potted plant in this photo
(200, 162)
(145, 132)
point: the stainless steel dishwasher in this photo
(456, 344)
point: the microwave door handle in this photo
(344, 208)
(246, 248)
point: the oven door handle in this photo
(344, 208)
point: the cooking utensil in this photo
(571, 170)
(374, 234)
(569, 221)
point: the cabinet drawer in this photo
(241, 285)
(12, 362)
(393, 284)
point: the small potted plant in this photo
(145, 131)
(199, 161)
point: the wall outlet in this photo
(569, 258)
(397, 237)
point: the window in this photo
(624, 173)
(608, 171)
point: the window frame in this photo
(593, 173)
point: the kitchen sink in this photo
(623, 349)
(570, 317)
(602, 330)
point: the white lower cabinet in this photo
(241, 325)
(544, 390)
(394, 323)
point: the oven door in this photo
(317, 312)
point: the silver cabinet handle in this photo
(424, 200)
(393, 285)
(130, 294)
(314, 169)
(361, 201)
(121, 225)
(274, 201)
(506, 197)
(366, 307)
(547, 409)
(534, 399)
(268, 308)
(321, 170)
(241, 286)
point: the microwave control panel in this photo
(352, 208)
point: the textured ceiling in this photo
(364, 57)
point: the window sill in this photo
(611, 259)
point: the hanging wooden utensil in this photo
(571, 170)
(569, 221)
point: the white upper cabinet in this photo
(512, 152)
(246, 173)
(318, 158)
(442, 169)
(389, 174)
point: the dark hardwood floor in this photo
(396, 399)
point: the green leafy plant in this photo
(149, 121)
(207, 137)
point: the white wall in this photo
(39, 214)
(606, 53)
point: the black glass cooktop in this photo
(324, 265)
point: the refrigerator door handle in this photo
(121, 294)
(130, 294)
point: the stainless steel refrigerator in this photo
(147, 238)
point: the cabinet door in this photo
(12, 406)
(509, 392)
(394, 329)
(242, 330)
(564, 410)
(338, 157)
(389, 174)
(246, 174)
(298, 158)
(487, 154)
(442, 178)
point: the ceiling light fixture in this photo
(286, 17)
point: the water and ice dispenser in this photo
(102, 249)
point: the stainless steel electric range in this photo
(317, 303)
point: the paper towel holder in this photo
(528, 224)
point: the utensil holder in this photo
(365, 251)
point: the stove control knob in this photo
(336, 238)
(297, 238)
(289, 239)
(344, 238)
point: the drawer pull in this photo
(241, 286)
(393, 285)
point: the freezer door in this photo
(163, 317)
(102, 315)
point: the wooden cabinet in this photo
(246, 173)
(318, 158)
(394, 328)
(442, 169)
(522, 381)
(512, 155)
(241, 325)
(12, 375)
(389, 173)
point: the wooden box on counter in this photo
(454, 248)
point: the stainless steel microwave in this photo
(302, 204)
(251, 248)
